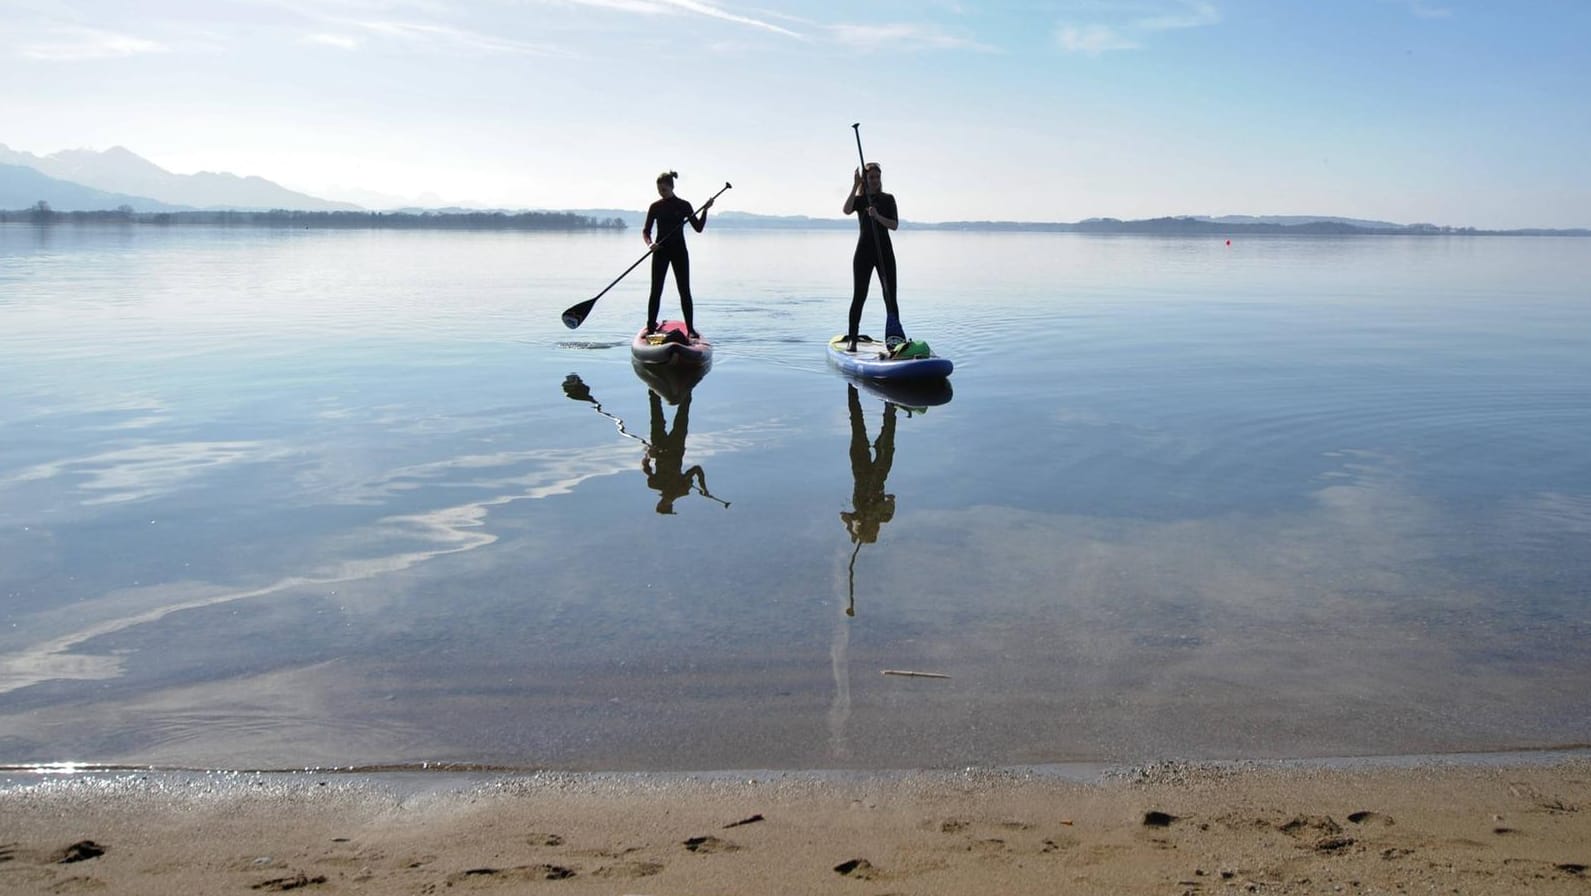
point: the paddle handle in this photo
(878, 247)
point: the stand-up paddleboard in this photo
(871, 360)
(671, 345)
(671, 382)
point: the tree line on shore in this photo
(41, 213)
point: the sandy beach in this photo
(1501, 825)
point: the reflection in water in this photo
(576, 389)
(664, 460)
(915, 396)
(871, 506)
(673, 382)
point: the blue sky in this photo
(1449, 111)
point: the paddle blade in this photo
(575, 388)
(576, 315)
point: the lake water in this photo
(277, 499)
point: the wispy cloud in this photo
(711, 11)
(689, 7)
(1423, 9)
(340, 41)
(1193, 14)
(447, 35)
(79, 44)
(1129, 25)
(411, 10)
(903, 36)
(1092, 40)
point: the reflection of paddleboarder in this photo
(870, 463)
(664, 461)
(665, 452)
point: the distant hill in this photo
(1182, 226)
(22, 187)
(378, 201)
(1301, 225)
(730, 220)
(119, 170)
(1294, 220)
(782, 222)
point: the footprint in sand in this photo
(81, 851)
(1056, 844)
(1016, 826)
(78, 885)
(628, 870)
(419, 861)
(516, 873)
(709, 844)
(861, 869)
(293, 882)
(1311, 826)
(1334, 845)
(988, 846)
(1154, 818)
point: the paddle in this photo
(878, 249)
(577, 390)
(576, 314)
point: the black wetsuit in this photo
(664, 461)
(872, 255)
(669, 249)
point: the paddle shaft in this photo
(576, 315)
(878, 247)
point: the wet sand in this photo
(1497, 825)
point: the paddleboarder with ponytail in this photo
(670, 213)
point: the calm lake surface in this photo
(276, 499)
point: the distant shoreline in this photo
(338, 220)
(575, 221)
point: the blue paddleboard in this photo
(871, 360)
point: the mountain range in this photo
(119, 170)
(22, 187)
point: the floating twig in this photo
(914, 674)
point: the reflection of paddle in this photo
(850, 578)
(702, 490)
(576, 314)
(576, 388)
